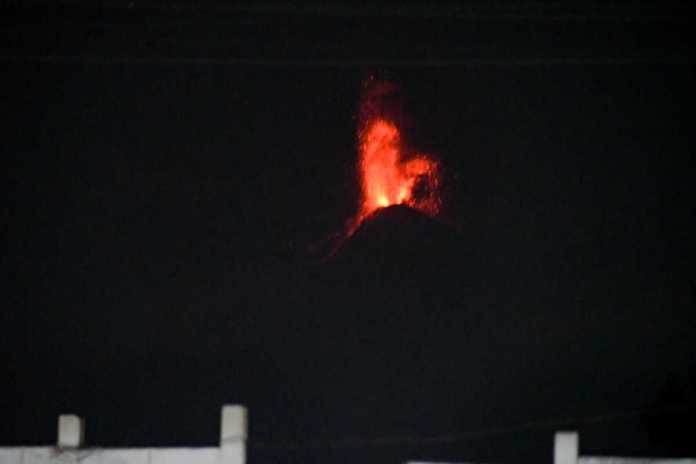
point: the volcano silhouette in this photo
(398, 318)
(403, 258)
(400, 237)
(423, 329)
(401, 229)
(427, 328)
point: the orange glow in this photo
(388, 179)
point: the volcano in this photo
(402, 226)
(403, 320)
(425, 328)
(401, 234)
(400, 255)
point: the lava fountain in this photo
(388, 175)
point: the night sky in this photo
(174, 176)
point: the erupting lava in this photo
(389, 179)
(389, 172)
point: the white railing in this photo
(71, 432)
(566, 450)
(232, 448)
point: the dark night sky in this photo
(168, 176)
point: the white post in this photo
(565, 448)
(71, 431)
(233, 434)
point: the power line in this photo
(455, 437)
(472, 10)
(336, 63)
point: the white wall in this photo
(232, 449)
(53, 455)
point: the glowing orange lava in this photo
(388, 179)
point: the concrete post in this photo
(565, 448)
(71, 431)
(233, 434)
